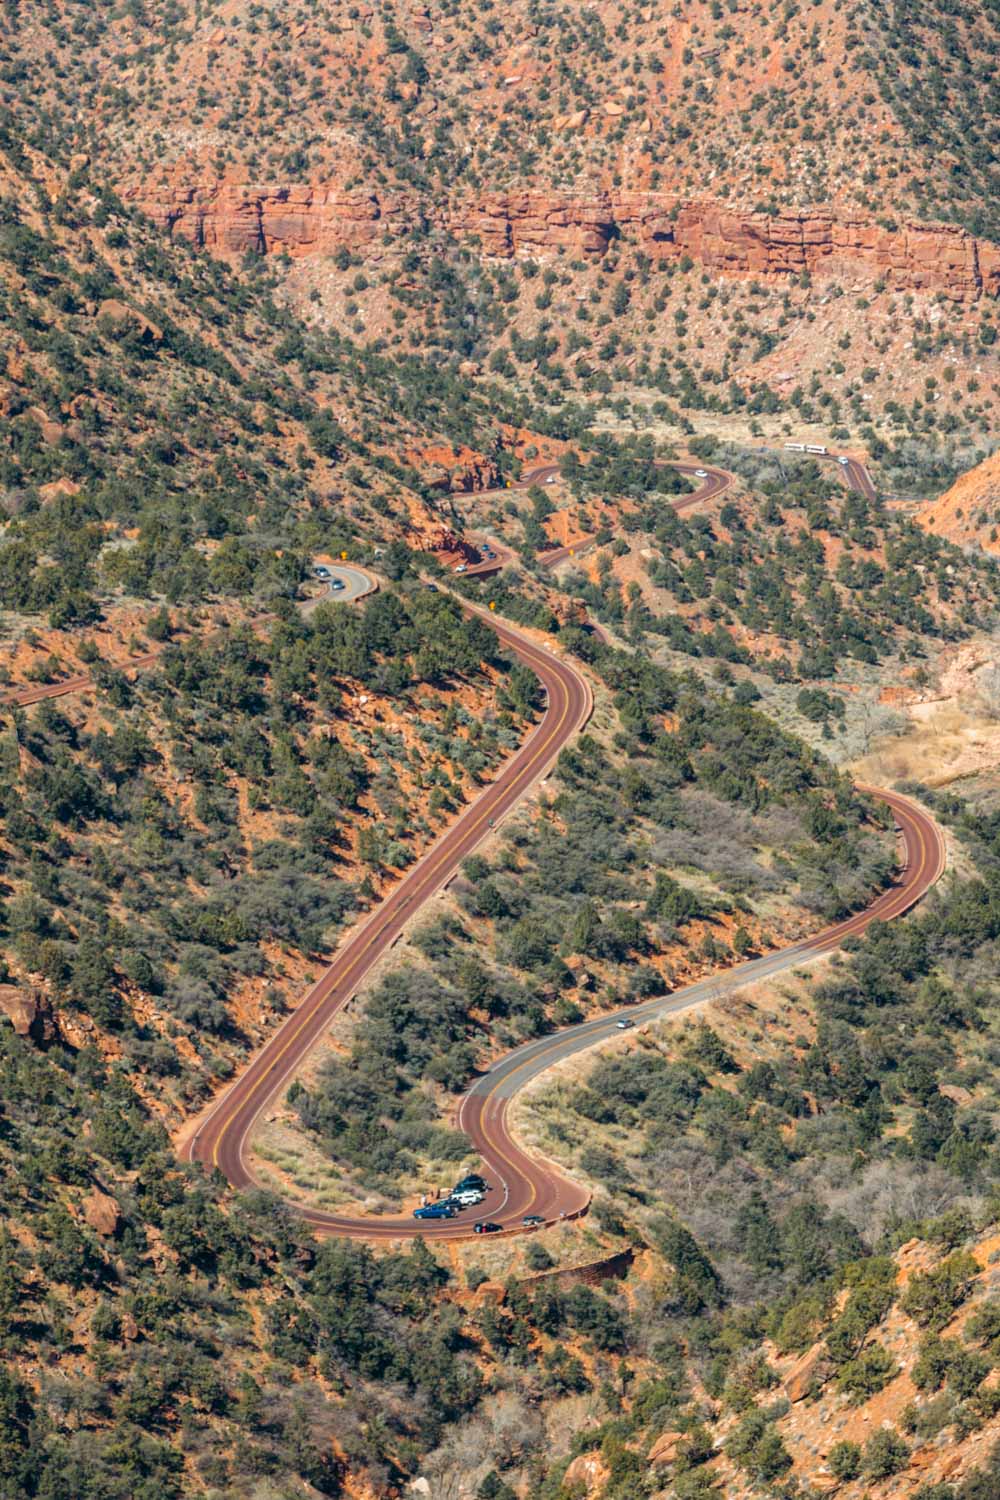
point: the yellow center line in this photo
(423, 880)
(844, 929)
(420, 878)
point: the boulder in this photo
(29, 1011)
(589, 1470)
(102, 1213)
(122, 319)
(808, 1372)
(664, 1450)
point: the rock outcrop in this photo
(665, 1449)
(102, 1213)
(28, 1011)
(120, 319)
(587, 1473)
(969, 512)
(807, 1374)
(231, 219)
(456, 471)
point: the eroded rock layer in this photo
(230, 219)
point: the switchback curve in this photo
(521, 1183)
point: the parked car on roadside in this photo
(467, 1197)
(471, 1179)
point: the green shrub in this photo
(932, 1296)
(868, 1374)
(885, 1454)
(844, 1460)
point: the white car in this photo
(551, 479)
(701, 473)
(461, 568)
(844, 461)
(468, 1197)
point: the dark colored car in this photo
(531, 1221)
(443, 1210)
(472, 1181)
(487, 1226)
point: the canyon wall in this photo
(230, 219)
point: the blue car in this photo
(435, 1211)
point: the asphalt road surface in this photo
(520, 1183)
(858, 478)
(530, 1186)
(714, 483)
(220, 1139)
(357, 584)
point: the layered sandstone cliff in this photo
(230, 219)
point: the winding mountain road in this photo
(358, 584)
(522, 1183)
(713, 484)
(220, 1139)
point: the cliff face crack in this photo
(520, 1183)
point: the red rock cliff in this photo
(230, 219)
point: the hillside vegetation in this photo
(676, 850)
(436, 178)
(325, 280)
(807, 1174)
(888, 110)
